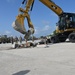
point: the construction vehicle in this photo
(65, 27)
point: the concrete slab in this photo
(57, 59)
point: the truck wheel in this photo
(0, 42)
(54, 39)
(72, 37)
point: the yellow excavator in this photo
(65, 27)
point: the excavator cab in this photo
(66, 22)
(65, 28)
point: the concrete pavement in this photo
(57, 59)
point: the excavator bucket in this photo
(18, 24)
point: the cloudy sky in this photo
(43, 19)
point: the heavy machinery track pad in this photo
(17, 26)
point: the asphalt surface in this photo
(56, 59)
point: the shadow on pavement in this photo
(21, 72)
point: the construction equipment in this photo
(19, 22)
(65, 27)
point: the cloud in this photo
(44, 29)
(36, 30)
(7, 32)
(45, 22)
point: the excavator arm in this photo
(19, 22)
(51, 5)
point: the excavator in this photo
(65, 27)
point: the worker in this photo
(20, 40)
(68, 22)
(46, 42)
(12, 40)
(16, 40)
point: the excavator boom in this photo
(50, 4)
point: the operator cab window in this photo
(61, 22)
(74, 18)
(74, 21)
